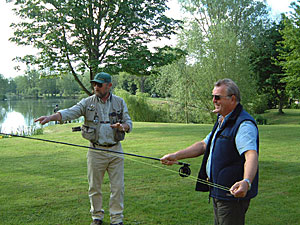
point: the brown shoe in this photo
(96, 222)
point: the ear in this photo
(233, 98)
(109, 85)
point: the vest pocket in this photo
(118, 135)
(89, 133)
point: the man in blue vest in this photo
(230, 156)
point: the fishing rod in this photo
(184, 171)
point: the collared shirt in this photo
(245, 139)
(106, 135)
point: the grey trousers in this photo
(230, 212)
(98, 163)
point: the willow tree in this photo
(218, 38)
(88, 35)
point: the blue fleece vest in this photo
(227, 164)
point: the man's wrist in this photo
(249, 183)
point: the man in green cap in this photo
(106, 120)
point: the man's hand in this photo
(239, 189)
(119, 126)
(43, 120)
(169, 159)
(47, 119)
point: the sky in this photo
(9, 50)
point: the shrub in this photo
(260, 105)
(139, 108)
(260, 120)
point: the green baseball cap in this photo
(102, 78)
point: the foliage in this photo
(34, 84)
(260, 120)
(289, 52)
(291, 47)
(125, 82)
(3, 87)
(7, 85)
(88, 36)
(139, 108)
(218, 37)
(144, 109)
(232, 39)
(260, 105)
(67, 85)
(265, 65)
(188, 101)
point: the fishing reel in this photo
(185, 170)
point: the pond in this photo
(18, 115)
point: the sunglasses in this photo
(97, 84)
(218, 97)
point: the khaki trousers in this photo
(98, 163)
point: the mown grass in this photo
(290, 116)
(45, 183)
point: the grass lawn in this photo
(45, 183)
(290, 116)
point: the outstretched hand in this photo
(43, 120)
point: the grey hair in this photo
(231, 88)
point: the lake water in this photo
(18, 115)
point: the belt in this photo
(107, 146)
(105, 122)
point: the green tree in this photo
(268, 73)
(48, 85)
(12, 86)
(3, 87)
(290, 54)
(186, 99)
(21, 85)
(67, 85)
(125, 81)
(78, 36)
(218, 38)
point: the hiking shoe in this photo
(96, 222)
(117, 223)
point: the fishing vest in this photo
(93, 119)
(227, 165)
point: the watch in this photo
(249, 183)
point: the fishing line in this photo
(184, 171)
(193, 178)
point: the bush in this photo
(260, 105)
(260, 120)
(139, 108)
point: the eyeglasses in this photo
(218, 97)
(97, 84)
